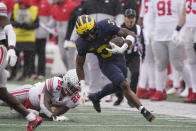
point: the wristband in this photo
(178, 28)
(131, 38)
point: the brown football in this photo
(117, 40)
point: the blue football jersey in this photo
(106, 30)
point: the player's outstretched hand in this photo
(84, 95)
(84, 92)
(60, 118)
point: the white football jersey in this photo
(144, 12)
(190, 6)
(54, 87)
(165, 15)
(3, 12)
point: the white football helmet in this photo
(71, 81)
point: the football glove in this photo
(11, 57)
(59, 118)
(176, 37)
(116, 49)
(84, 92)
(33, 111)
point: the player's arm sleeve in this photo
(53, 84)
(81, 49)
(10, 34)
(49, 85)
(45, 103)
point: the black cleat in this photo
(118, 102)
(148, 115)
(95, 101)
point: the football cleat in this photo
(169, 83)
(118, 102)
(148, 115)
(95, 101)
(142, 93)
(185, 92)
(151, 92)
(35, 123)
(191, 97)
(174, 90)
(159, 95)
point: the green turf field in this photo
(84, 118)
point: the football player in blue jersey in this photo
(95, 38)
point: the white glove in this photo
(69, 44)
(176, 37)
(84, 92)
(60, 118)
(116, 49)
(11, 57)
(33, 111)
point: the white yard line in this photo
(64, 125)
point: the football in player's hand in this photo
(117, 41)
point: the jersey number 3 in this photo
(164, 8)
(189, 4)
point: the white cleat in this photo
(174, 91)
(185, 92)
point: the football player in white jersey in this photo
(147, 72)
(164, 15)
(188, 37)
(59, 92)
(8, 57)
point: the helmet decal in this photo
(84, 24)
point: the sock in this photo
(143, 75)
(186, 74)
(193, 76)
(160, 79)
(107, 90)
(30, 117)
(151, 75)
(176, 78)
(140, 108)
